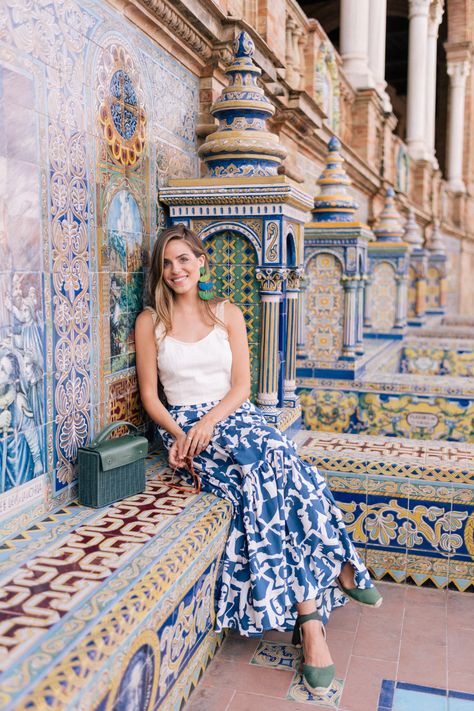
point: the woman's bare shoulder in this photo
(145, 320)
(232, 313)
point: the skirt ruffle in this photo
(287, 541)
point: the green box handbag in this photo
(112, 469)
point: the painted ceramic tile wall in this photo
(86, 140)
(395, 414)
(437, 361)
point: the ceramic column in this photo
(420, 296)
(354, 42)
(292, 290)
(350, 324)
(434, 21)
(360, 317)
(367, 304)
(270, 293)
(417, 65)
(301, 330)
(458, 72)
(377, 35)
(402, 300)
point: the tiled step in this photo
(96, 602)
(408, 504)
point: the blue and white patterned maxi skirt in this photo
(287, 540)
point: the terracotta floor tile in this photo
(425, 596)
(460, 610)
(249, 678)
(340, 643)
(422, 663)
(239, 649)
(434, 633)
(255, 702)
(378, 643)
(392, 591)
(461, 681)
(345, 618)
(389, 621)
(461, 650)
(363, 682)
(210, 698)
(420, 617)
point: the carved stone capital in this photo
(436, 15)
(418, 7)
(458, 72)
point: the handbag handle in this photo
(108, 429)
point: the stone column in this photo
(350, 313)
(367, 304)
(301, 335)
(354, 42)
(377, 35)
(401, 304)
(420, 296)
(458, 72)
(270, 293)
(292, 290)
(360, 317)
(416, 94)
(434, 21)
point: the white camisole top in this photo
(196, 372)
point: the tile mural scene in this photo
(333, 199)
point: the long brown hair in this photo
(158, 294)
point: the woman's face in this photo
(181, 266)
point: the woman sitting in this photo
(288, 560)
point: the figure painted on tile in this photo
(6, 262)
(20, 453)
(125, 250)
(135, 691)
(26, 330)
(288, 560)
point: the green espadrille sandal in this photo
(363, 596)
(317, 680)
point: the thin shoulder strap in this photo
(160, 332)
(220, 309)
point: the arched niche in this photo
(233, 261)
(324, 307)
(291, 259)
(383, 294)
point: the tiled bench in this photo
(408, 504)
(111, 608)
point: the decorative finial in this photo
(436, 244)
(413, 234)
(334, 203)
(242, 145)
(389, 227)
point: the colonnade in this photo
(362, 48)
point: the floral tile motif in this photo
(277, 656)
(329, 700)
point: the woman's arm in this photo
(147, 372)
(201, 432)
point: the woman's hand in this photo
(198, 437)
(175, 456)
